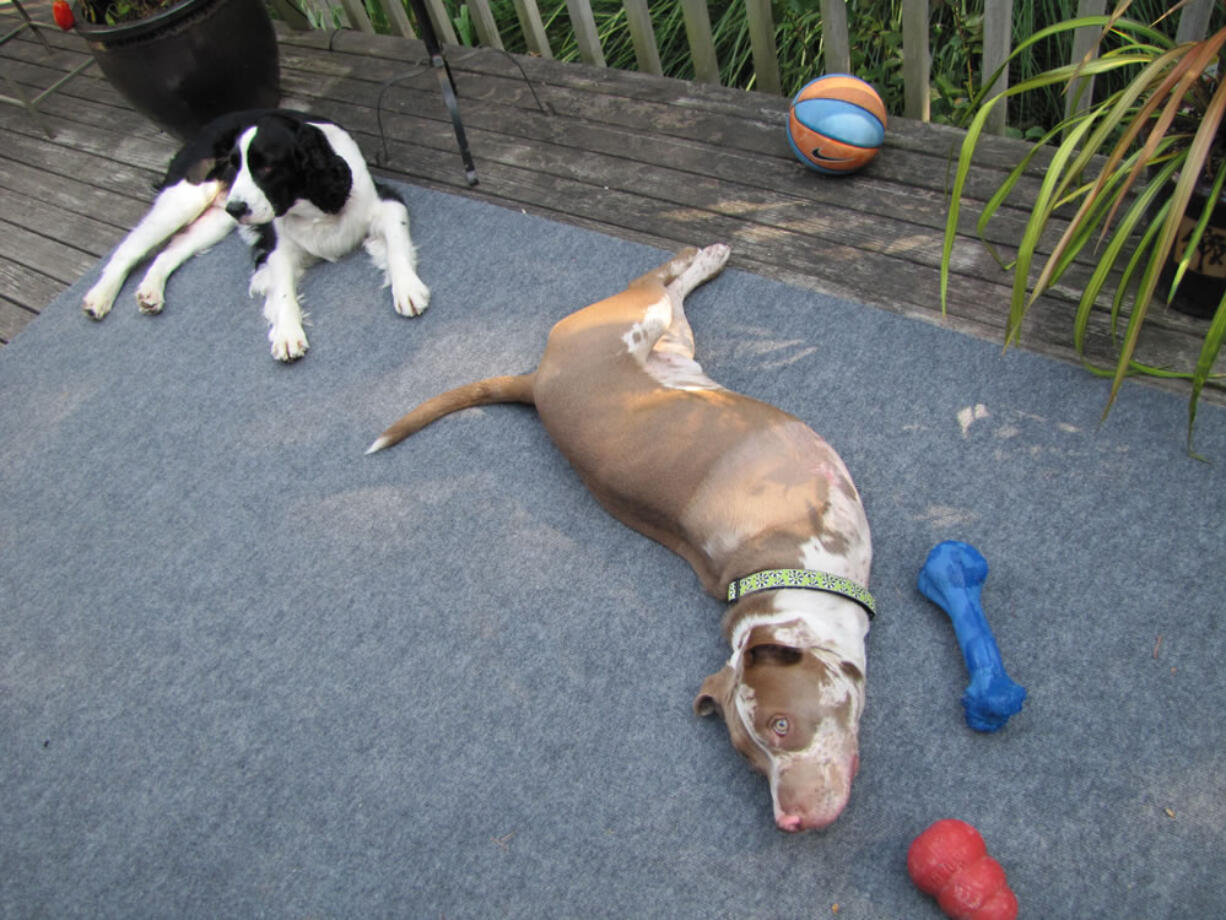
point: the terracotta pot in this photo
(196, 60)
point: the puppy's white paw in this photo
(150, 298)
(97, 303)
(261, 281)
(411, 296)
(289, 343)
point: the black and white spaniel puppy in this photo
(298, 189)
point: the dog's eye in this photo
(781, 726)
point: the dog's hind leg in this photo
(702, 266)
(668, 272)
(664, 329)
(671, 356)
(207, 230)
(174, 208)
(391, 249)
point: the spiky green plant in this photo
(1157, 138)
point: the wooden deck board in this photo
(660, 161)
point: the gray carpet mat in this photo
(247, 671)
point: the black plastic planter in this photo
(1204, 283)
(192, 62)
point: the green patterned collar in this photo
(802, 578)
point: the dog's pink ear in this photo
(715, 693)
(328, 176)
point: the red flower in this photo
(62, 13)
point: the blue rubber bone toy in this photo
(952, 578)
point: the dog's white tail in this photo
(480, 393)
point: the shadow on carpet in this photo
(247, 671)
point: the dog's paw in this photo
(288, 344)
(715, 255)
(411, 296)
(97, 303)
(150, 298)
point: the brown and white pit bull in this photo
(761, 507)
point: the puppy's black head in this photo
(281, 161)
(208, 155)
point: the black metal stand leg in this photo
(446, 85)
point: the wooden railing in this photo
(997, 31)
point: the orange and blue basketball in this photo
(836, 124)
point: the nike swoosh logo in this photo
(818, 155)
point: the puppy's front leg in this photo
(207, 230)
(277, 280)
(391, 248)
(175, 207)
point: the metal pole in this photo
(446, 84)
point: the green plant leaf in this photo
(1186, 70)
(971, 141)
(1193, 242)
(1111, 115)
(1111, 255)
(1198, 155)
(1210, 349)
(1039, 215)
(1188, 178)
(1130, 29)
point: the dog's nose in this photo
(237, 209)
(790, 823)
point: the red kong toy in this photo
(950, 862)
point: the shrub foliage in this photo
(956, 45)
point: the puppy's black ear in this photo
(327, 176)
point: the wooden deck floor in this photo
(660, 161)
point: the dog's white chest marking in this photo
(331, 236)
(799, 477)
(324, 236)
(848, 551)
